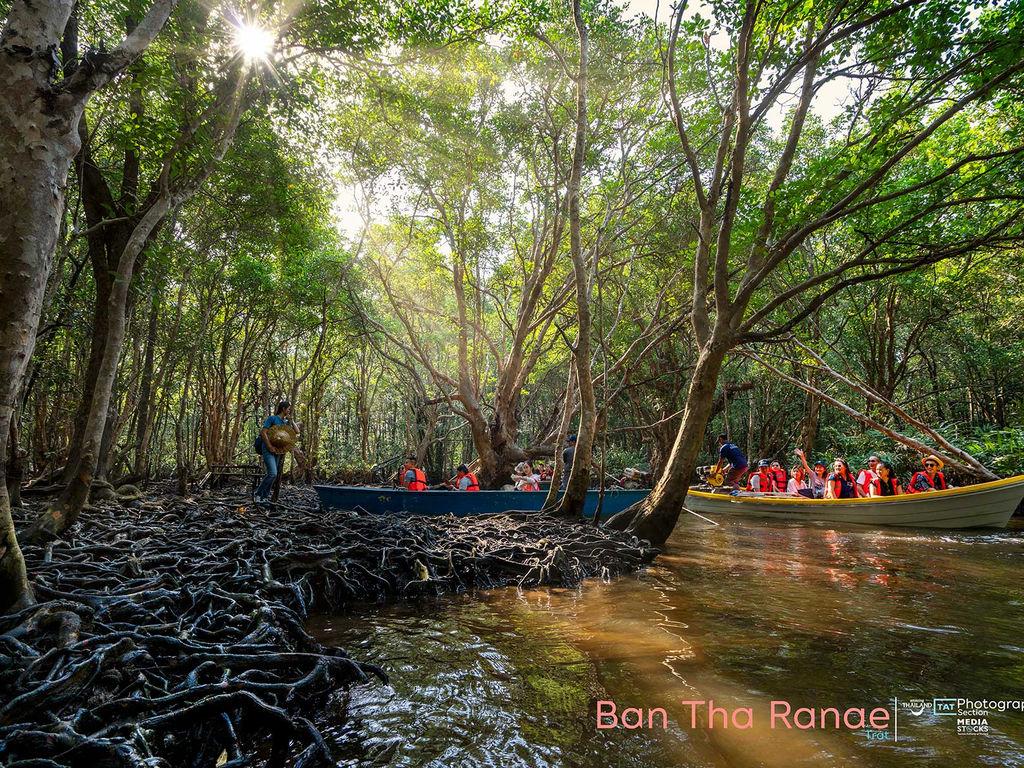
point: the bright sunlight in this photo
(254, 42)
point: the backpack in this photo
(257, 444)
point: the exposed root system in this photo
(169, 631)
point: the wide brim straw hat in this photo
(933, 457)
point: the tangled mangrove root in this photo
(169, 632)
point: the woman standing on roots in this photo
(273, 457)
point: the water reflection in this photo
(741, 614)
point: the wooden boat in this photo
(459, 503)
(986, 505)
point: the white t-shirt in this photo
(865, 479)
(795, 487)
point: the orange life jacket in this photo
(474, 484)
(870, 476)
(418, 483)
(781, 478)
(938, 484)
(886, 487)
(767, 481)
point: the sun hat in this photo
(933, 457)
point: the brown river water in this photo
(743, 614)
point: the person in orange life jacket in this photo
(412, 477)
(841, 484)
(731, 455)
(780, 477)
(762, 481)
(885, 482)
(867, 477)
(931, 479)
(525, 478)
(464, 480)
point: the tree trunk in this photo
(97, 342)
(181, 464)
(426, 429)
(575, 495)
(64, 511)
(809, 425)
(15, 471)
(15, 590)
(110, 429)
(144, 419)
(563, 433)
(14, 587)
(497, 454)
(655, 517)
(38, 139)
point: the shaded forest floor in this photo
(170, 631)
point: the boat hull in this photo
(460, 503)
(987, 505)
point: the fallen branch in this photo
(975, 469)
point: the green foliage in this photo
(1000, 449)
(453, 122)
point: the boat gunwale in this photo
(992, 485)
(384, 489)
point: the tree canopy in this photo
(410, 218)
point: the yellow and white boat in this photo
(986, 505)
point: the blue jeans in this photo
(273, 462)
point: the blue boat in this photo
(460, 503)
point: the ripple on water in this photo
(742, 614)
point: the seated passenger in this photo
(412, 477)
(886, 483)
(815, 478)
(780, 477)
(762, 481)
(524, 477)
(632, 478)
(465, 480)
(867, 477)
(931, 479)
(840, 483)
(800, 483)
